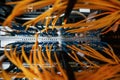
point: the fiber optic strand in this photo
(109, 20)
(88, 51)
(17, 61)
(91, 64)
(104, 72)
(40, 63)
(106, 5)
(110, 52)
(39, 4)
(74, 55)
(14, 57)
(8, 76)
(36, 61)
(31, 73)
(110, 71)
(100, 74)
(48, 14)
(97, 24)
(21, 7)
(37, 58)
(5, 75)
(93, 53)
(111, 6)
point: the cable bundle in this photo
(108, 20)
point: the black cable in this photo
(67, 67)
(69, 8)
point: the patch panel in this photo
(56, 37)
